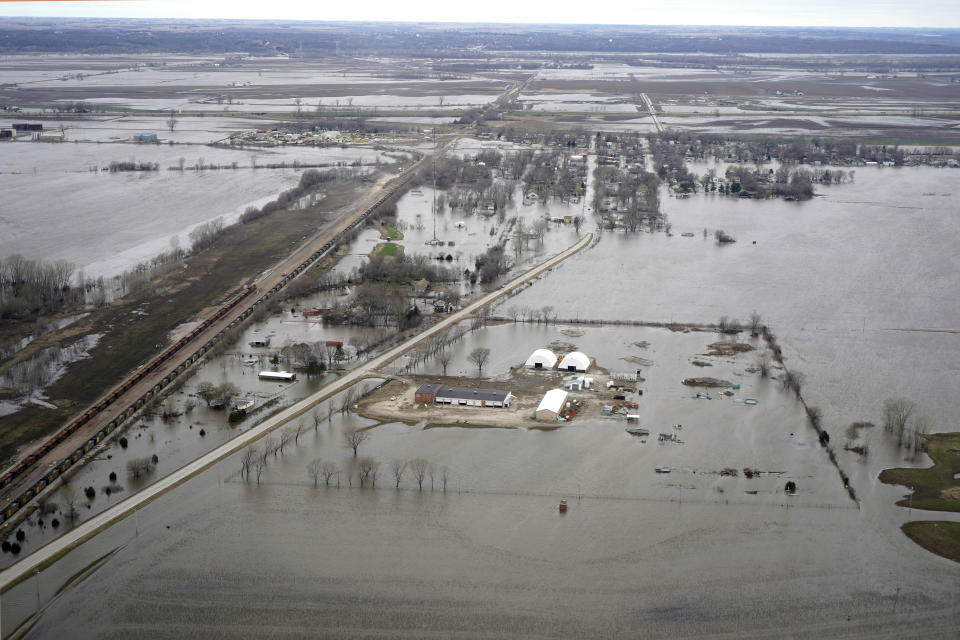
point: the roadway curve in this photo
(77, 536)
(16, 487)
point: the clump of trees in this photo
(374, 304)
(309, 180)
(117, 166)
(217, 396)
(204, 235)
(33, 287)
(902, 420)
(139, 467)
(402, 268)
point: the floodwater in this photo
(106, 222)
(858, 286)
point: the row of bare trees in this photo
(367, 469)
(254, 459)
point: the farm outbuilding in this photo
(575, 361)
(436, 393)
(542, 359)
(551, 405)
(281, 376)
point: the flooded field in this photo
(114, 220)
(828, 275)
(664, 537)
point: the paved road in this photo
(264, 283)
(83, 532)
(653, 113)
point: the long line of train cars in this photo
(60, 467)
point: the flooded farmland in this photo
(699, 480)
(114, 220)
(635, 545)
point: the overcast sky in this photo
(847, 13)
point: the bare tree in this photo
(285, 436)
(139, 467)
(328, 470)
(896, 416)
(419, 467)
(260, 462)
(298, 432)
(365, 467)
(444, 476)
(922, 425)
(317, 419)
(577, 223)
(353, 438)
(755, 323)
(315, 470)
(443, 358)
(270, 445)
(479, 357)
(246, 462)
(793, 380)
(347, 400)
(172, 120)
(397, 467)
(70, 502)
(763, 365)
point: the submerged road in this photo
(77, 536)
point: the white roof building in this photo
(283, 376)
(542, 359)
(551, 405)
(575, 361)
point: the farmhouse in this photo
(575, 361)
(551, 405)
(436, 393)
(542, 359)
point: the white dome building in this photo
(542, 359)
(575, 361)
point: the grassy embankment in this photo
(137, 322)
(388, 248)
(941, 538)
(934, 489)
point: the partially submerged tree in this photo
(896, 416)
(397, 467)
(366, 468)
(443, 358)
(419, 467)
(328, 470)
(793, 381)
(353, 438)
(479, 357)
(247, 462)
(315, 470)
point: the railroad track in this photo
(171, 353)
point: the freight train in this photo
(15, 504)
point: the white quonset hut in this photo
(542, 359)
(551, 405)
(575, 361)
